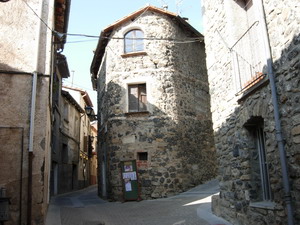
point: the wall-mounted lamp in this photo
(90, 113)
(92, 138)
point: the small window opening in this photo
(143, 156)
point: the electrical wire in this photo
(179, 41)
(37, 15)
(79, 41)
(146, 38)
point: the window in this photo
(259, 165)
(137, 98)
(65, 154)
(248, 57)
(260, 146)
(66, 111)
(245, 4)
(143, 156)
(133, 41)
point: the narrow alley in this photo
(84, 207)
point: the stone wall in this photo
(176, 130)
(231, 111)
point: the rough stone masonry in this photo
(234, 111)
(172, 140)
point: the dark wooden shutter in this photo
(133, 98)
(85, 143)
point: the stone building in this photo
(253, 57)
(93, 157)
(28, 61)
(65, 158)
(83, 126)
(57, 182)
(153, 104)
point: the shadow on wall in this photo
(247, 140)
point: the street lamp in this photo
(90, 113)
(92, 139)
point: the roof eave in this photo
(104, 37)
(69, 97)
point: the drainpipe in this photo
(30, 151)
(279, 138)
(32, 118)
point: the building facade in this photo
(153, 104)
(27, 66)
(93, 157)
(83, 123)
(253, 68)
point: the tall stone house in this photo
(253, 67)
(83, 135)
(153, 104)
(29, 61)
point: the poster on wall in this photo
(128, 166)
(128, 186)
(130, 180)
(130, 175)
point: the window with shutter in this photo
(137, 98)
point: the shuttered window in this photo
(137, 95)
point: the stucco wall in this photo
(176, 131)
(25, 48)
(232, 139)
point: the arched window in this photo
(133, 41)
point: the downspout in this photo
(279, 138)
(30, 151)
(32, 118)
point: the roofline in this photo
(83, 93)
(70, 98)
(106, 32)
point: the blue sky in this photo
(90, 17)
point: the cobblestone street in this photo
(85, 208)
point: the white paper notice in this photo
(129, 175)
(128, 185)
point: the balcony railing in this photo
(248, 58)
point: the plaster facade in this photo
(84, 135)
(171, 138)
(240, 108)
(25, 124)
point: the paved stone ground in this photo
(85, 208)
